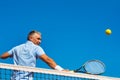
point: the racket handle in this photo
(78, 70)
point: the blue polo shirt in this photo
(25, 55)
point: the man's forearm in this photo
(4, 55)
(53, 65)
(50, 62)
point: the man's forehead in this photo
(37, 34)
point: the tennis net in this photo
(7, 71)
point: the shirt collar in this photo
(30, 42)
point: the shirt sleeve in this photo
(39, 51)
(11, 51)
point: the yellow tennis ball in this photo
(108, 31)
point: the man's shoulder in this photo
(20, 45)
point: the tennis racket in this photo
(92, 67)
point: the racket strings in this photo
(94, 67)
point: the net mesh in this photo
(9, 72)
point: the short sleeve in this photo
(39, 51)
(11, 51)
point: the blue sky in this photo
(73, 31)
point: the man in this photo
(26, 55)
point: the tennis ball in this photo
(108, 31)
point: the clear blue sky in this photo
(73, 31)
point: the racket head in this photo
(94, 67)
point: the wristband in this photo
(59, 68)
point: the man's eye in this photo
(39, 38)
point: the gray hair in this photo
(32, 32)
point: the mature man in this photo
(26, 55)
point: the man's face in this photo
(35, 38)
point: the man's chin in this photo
(38, 44)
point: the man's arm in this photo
(50, 62)
(5, 55)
